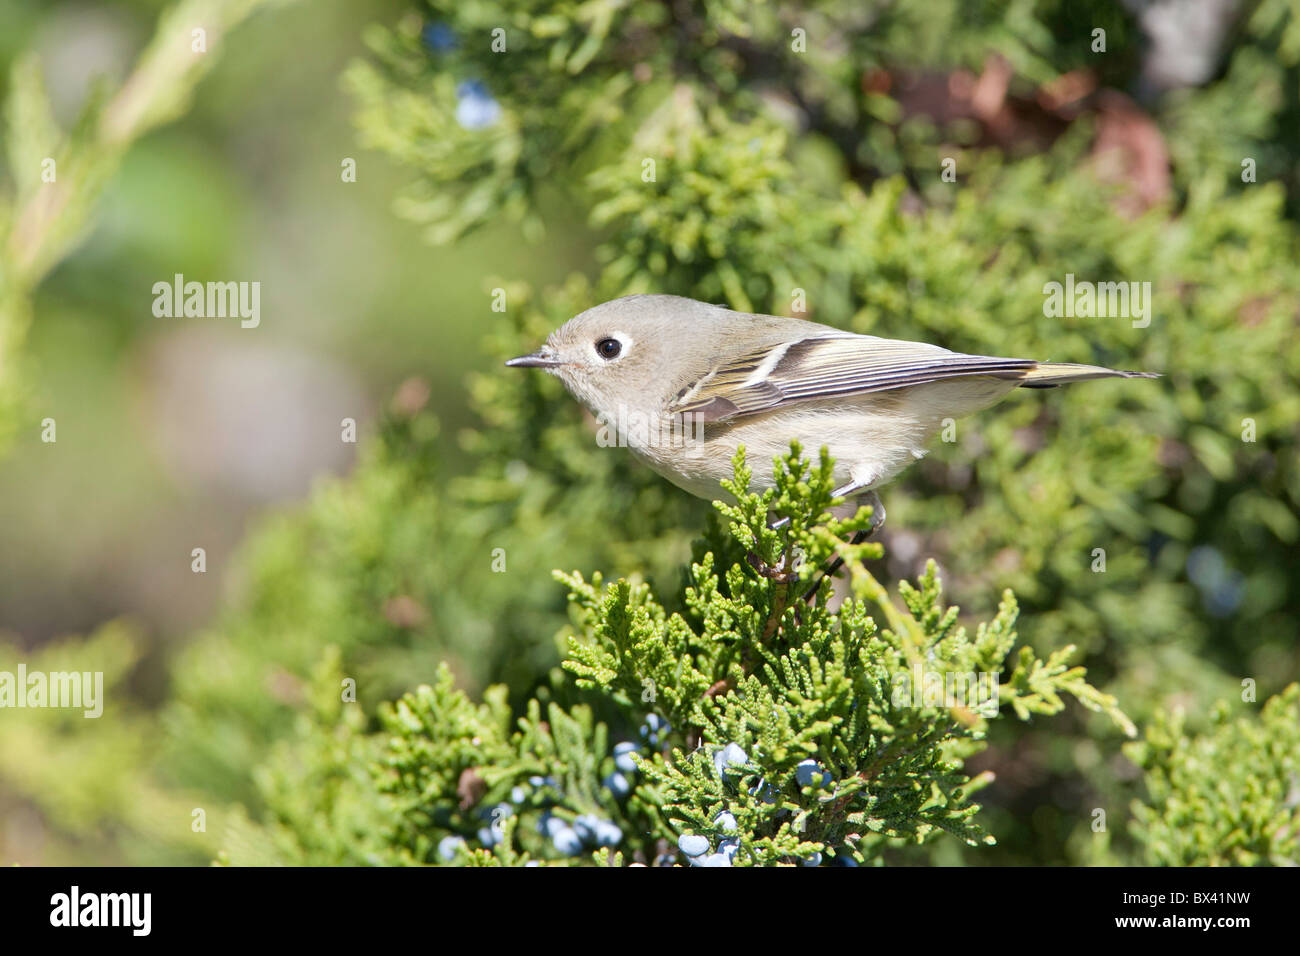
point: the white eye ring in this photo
(611, 347)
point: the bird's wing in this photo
(827, 366)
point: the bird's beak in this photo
(539, 359)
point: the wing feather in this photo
(828, 366)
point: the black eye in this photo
(609, 348)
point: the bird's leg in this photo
(877, 511)
(877, 519)
(762, 569)
(844, 491)
(775, 574)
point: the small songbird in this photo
(684, 383)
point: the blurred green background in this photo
(820, 172)
(153, 412)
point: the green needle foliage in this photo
(752, 665)
(790, 726)
(1230, 797)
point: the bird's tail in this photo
(1051, 374)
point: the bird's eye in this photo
(609, 348)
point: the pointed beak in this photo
(539, 359)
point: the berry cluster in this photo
(569, 836)
(696, 848)
(721, 846)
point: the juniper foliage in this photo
(737, 695)
(1228, 797)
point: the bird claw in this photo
(767, 571)
(877, 520)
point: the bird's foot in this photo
(877, 519)
(768, 571)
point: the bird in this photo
(685, 383)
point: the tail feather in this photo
(1050, 374)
